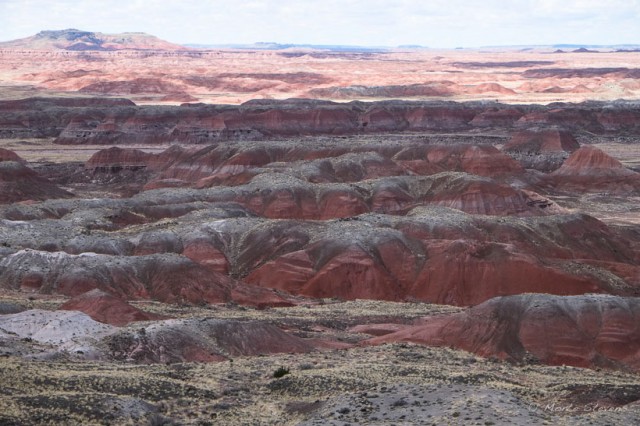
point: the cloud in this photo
(438, 23)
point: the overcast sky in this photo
(433, 23)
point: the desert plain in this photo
(293, 235)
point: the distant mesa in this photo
(78, 40)
(560, 73)
(505, 64)
(584, 50)
(435, 89)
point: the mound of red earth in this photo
(491, 88)
(497, 117)
(7, 155)
(202, 340)
(592, 161)
(108, 309)
(541, 149)
(542, 141)
(20, 183)
(116, 158)
(163, 277)
(583, 331)
(589, 169)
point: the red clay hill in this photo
(589, 169)
(583, 331)
(20, 183)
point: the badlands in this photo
(315, 236)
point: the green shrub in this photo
(282, 371)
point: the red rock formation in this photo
(435, 89)
(589, 169)
(584, 331)
(118, 158)
(593, 162)
(489, 198)
(482, 160)
(456, 272)
(7, 155)
(131, 87)
(49, 103)
(491, 88)
(121, 123)
(166, 278)
(232, 165)
(542, 141)
(20, 183)
(619, 119)
(441, 262)
(105, 308)
(497, 117)
(567, 118)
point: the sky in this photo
(432, 23)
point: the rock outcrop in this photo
(202, 340)
(176, 340)
(68, 331)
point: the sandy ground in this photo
(233, 77)
(400, 384)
